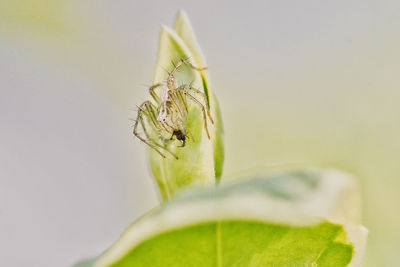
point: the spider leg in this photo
(159, 126)
(149, 109)
(171, 128)
(154, 142)
(182, 100)
(187, 62)
(153, 94)
(205, 100)
(152, 110)
(141, 138)
(150, 141)
(177, 103)
(182, 89)
(171, 82)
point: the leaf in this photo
(287, 218)
(200, 161)
(184, 30)
(85, 263)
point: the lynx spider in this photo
(169, 112)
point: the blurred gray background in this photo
(298, 81)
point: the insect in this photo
(167, 115)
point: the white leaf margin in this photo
(336, 200)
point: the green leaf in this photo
(184, 30)
(200, 161)
(286, 218)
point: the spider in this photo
(169, 112)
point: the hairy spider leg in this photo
(187, 62)
(156, 124)
(184, 90)
(150, 141)
(177, 104)
(178, 99)
(171, 82)
(153, 93)
(152, 113)
(205, 100)
(182, 98)
(142, 139)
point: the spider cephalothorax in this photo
(169, 112)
